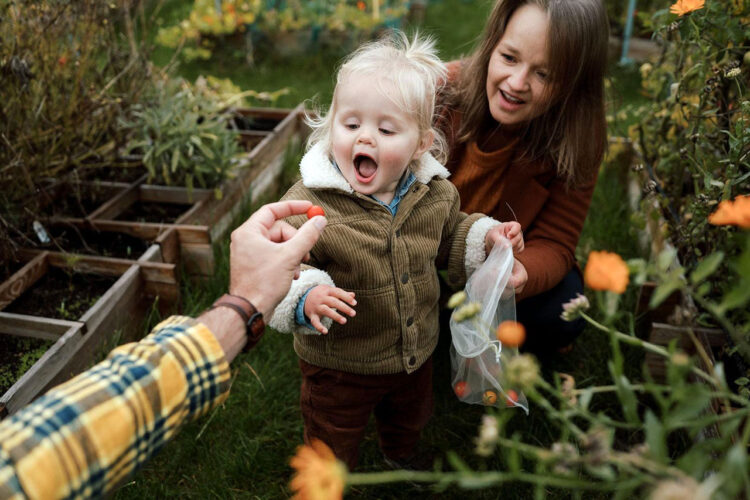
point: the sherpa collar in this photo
(318, 171)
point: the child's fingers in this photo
(332, 313)
(317, 324)
(339, 305)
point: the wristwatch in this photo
(254, 324)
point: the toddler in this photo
(364, 312)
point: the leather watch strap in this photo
(253, 319)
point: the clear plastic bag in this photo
(477, 357)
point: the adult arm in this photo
(83, 437)
(551, 241)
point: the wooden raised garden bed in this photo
(128, 239)
(81, 305)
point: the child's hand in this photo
(507, 230)
(324, 300)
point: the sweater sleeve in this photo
(84, 437)
(462, 247)
(551, 241)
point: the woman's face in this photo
(517, 72)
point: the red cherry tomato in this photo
(512, 397)
(461, 389)
(314, 211)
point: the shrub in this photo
(183, 135)
(694, 139)
(66, 74)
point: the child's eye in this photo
(386, 131)
(508, 57)
(351, 126)
(542, 75)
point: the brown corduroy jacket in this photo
(390, 263)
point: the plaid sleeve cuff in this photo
(201, 358)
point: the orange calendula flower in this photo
(511, 333)
(361, 5)
(682, 7)
(606, 271)
(319, 475)
(735, 213)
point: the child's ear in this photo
(425, 143)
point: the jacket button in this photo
(404, 278)
(412, 360)
(410, 321)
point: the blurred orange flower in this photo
(319, 475)
(606, 271)
(736, 213)
(63, 60)
(361, 5)
(511, 333)
(682, 7)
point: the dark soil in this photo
(153, 212)
(114, 174)
(91, 242)
(78, 201)
(8, 268)
(17, 355)
(61, 294)
(254, 123)
(248, 142)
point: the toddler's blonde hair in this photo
(414, 70)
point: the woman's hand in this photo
(518, 276)
(324, 300)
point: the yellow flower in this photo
(736, 213)
(682, 7)
(606, 271)
(319, 475)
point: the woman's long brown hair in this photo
(572, 132)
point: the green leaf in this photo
(175, 160)
(707, 267)
(664, 290)
(738, 296)
(666, 258)
(655, 436)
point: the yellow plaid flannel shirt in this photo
(84, 437)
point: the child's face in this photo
(373, 140)
(517, 71)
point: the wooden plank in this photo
(21, 280)
(198, 258)
(107, 266)
(662, 334)
(109, 303)
(186, 217)
(38, 327)
(118, 204)
(43, 372)
(152, 254)
(172, 194)
(169, 243)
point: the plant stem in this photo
(486, 479)
(648, 346)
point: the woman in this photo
(524, 117)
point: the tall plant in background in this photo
(694, 139)
(66, 75)
(183, 134)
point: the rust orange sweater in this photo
(500, 184)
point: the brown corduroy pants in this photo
(336, 406)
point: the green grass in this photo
(242, 449)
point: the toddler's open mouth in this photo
(364, 168)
